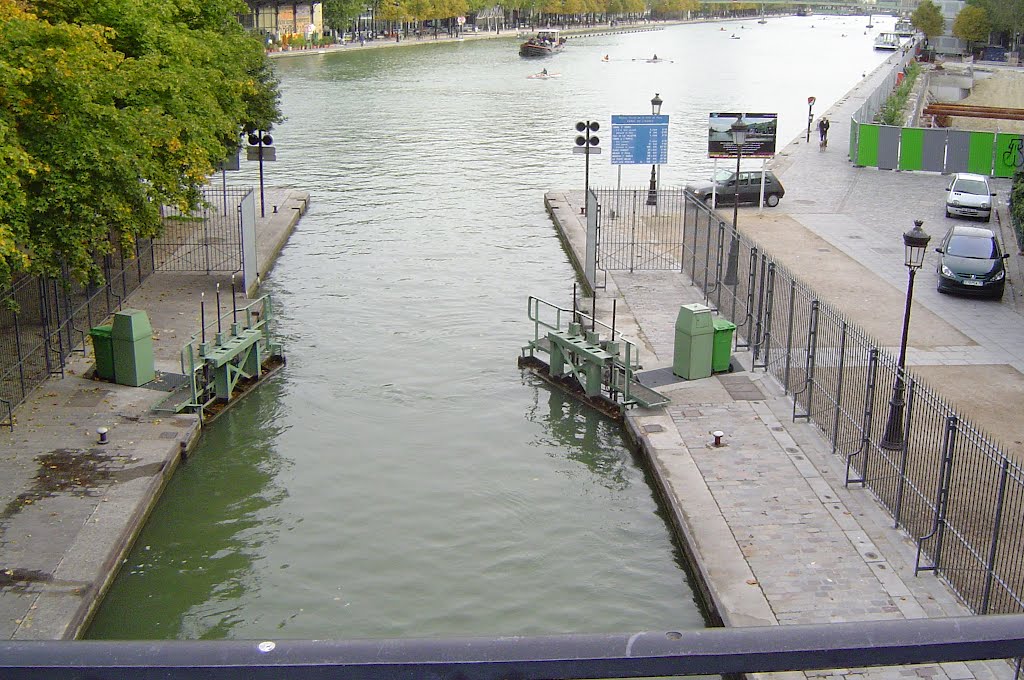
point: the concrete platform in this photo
(72, 506)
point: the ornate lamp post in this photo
(738, 130)
(652, 191)
(915, 242)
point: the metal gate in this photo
(208, 239)
(638, 229)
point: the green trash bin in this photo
(132, 340)
(722, 352)
(693, 346)
(103, 348)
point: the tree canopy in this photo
(928, 19)
(339, 14)
(972, 24)
(110, 109)
(1006, 16)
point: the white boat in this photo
(887, 41)
(905, 29)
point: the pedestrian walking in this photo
(823, 126)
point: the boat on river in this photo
(545, 43)
(887, 41)
(905, 29)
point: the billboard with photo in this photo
(760, 142)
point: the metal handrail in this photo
(709, 651)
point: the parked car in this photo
(969, 195)
(971, 262)
(724, 184)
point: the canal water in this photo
(401, 477)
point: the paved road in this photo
(840, 218)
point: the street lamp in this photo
(652, 191)
(915, 243)
(263, 143)
(738, 130)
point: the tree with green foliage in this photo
(1005, 16)
(928, 19)
(972, 25)
(339, 14)
(110, 110)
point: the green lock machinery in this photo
(227, 366)
(599, 370)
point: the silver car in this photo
(969, 195)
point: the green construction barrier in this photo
(979, 152)
(1009, 154)
(867, 145)
(911, 149)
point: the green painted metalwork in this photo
(867, 145)
(912, 149)
(1009, 156)
(605, 368)
(215, 368)
(980, 150)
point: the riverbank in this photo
(73, 506)
(517, 34)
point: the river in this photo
(401, 477)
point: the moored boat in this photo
(887, 41)
(546, 42)
(905, 29)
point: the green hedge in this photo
(1017, 209)
(892, 110)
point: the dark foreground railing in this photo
(711, 651)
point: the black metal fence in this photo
(942, 479)
(207, 239)
(43, 321)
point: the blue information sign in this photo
(639, 140)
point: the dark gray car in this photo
(971, 262)
(724, 184)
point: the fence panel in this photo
(208, 239)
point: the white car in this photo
(969, 195)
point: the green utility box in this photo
(103, 348)
(132, 340)
(723, 345)
(694, 341)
